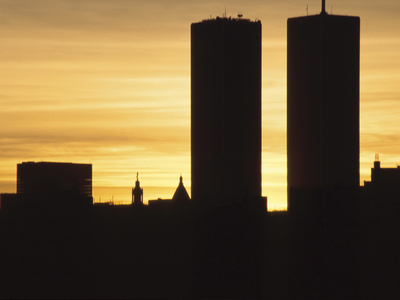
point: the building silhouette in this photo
(384, 188)
(323, 62)
(54, 184)
(181, 195)
(137, 193)
(225, 111)
(7, 201)
(43, 178)
(179, 199)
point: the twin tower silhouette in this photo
(323, 62)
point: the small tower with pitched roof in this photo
(181, 195)
(137, 193)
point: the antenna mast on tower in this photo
(323, 11)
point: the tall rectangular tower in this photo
(323, 63)
(225, 111)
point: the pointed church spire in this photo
(181, 195)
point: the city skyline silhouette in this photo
(336, 240)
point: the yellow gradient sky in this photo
(107, 82)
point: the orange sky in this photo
(107, 82)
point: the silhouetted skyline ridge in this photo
(337, 240)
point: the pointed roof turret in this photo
(181, 195)
(137, 192)
(137, 183)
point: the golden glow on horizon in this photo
(108, 83)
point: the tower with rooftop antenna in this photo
(323, 63)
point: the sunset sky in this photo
(107, 82)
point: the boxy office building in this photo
(54, 181)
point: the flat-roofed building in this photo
(323, 105)
(54, 181)
(225, 111)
